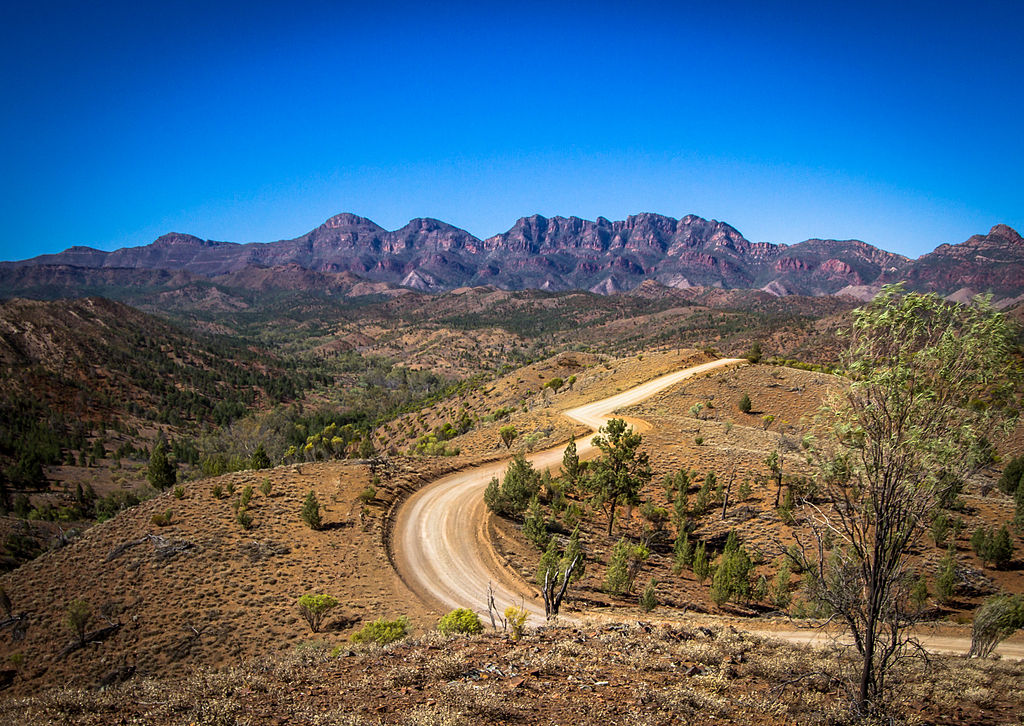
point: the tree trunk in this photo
(611, 515)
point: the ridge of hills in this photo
(352, 255)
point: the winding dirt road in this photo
(440, 543)
(443, 552)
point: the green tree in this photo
(508, 434)
(259, 459)
(161, 472)
(731, 580)
(1012, 477)
(744, 404)
(623, 567)
(929, 388)
(314, 608)
(311, 512)
(520, 484)
(535, 527)
(621, 471)
(571, 468)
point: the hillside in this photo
(202, 605)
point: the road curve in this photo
(440, 543)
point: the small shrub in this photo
(649, 597)
(382, 631)
(460, 620)
(162, 520)
(996, 620)
(744, 403)
(699, 441)
(311, 512)
(265, 487)
(623, 566)
(179, 492)
(919, 594)
(516, 616)
(313, 609)
(368, 494)
(77, 618)
(217, 491)
(940, 529)
(945, 578)
(244, 499)
(243, 518)
(701, 564)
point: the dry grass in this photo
(617, 674)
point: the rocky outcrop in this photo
(557, 253)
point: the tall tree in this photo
(930, 384)
(621, 471)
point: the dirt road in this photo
(440, 542)
(444, 554)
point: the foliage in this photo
(919, 593)
(382, 631)
(162, 519)
(754, 354)
(535, 527)
(460, 620)
(683, 552)
(779, 592)
(649, 597)
(508, 434)
(77, 618)
(621, 470)
(929, 389)
(179, 492)
(731, 580)
(994, 547)
(314, 608)
(516, 616)
(311, 512)
(623, 566)
(744, 403)
(571, 468)
(945, 576)
(1012, 477)
(243, 518)
(368, 494)
(265, 487)
(260, 460)
(161, 473)
(997, 619)
(701, 563)
(520, 484)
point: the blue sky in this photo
(896, 123)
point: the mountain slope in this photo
(557, 253)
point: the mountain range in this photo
(354, 255)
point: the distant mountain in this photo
(351, 255)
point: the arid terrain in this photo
(202, 591)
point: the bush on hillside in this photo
(460, 620)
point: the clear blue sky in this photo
(897, 123)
